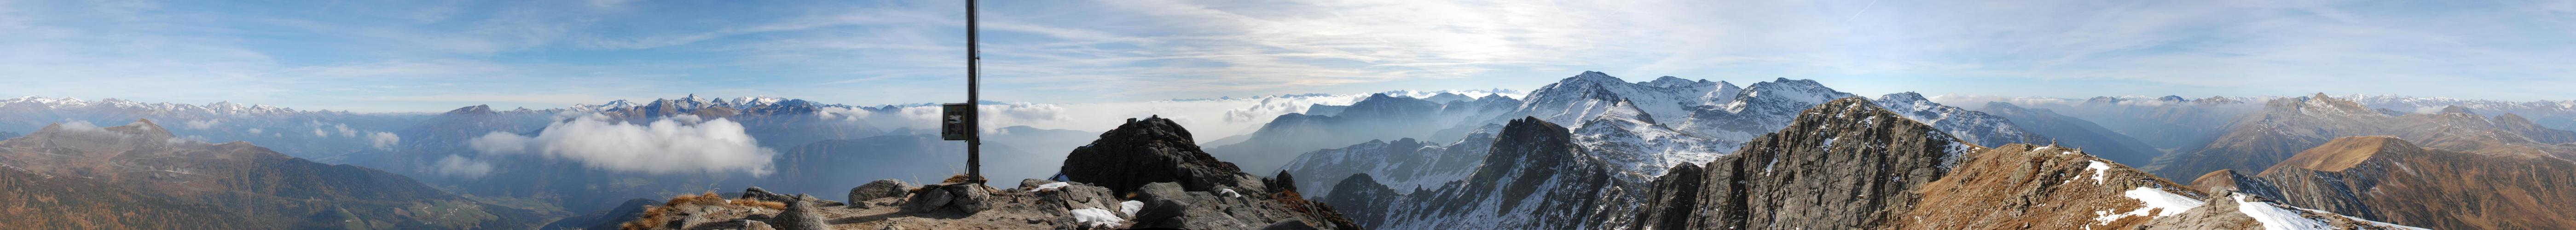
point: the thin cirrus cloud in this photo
(425, 56)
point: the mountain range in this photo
(1588, 151)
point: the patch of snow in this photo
(2098, 169)
(1055, 185)
(1227, 192)
(2275, 218)
(2153, 199)
(1130, 207)
(1097, 218)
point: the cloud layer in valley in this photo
(683, 144)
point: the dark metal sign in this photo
(955, 121)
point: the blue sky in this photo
(397, 56)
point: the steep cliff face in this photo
(1841, 165)
(2389, 179)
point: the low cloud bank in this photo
(681, 144)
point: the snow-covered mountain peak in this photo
(1672, 82)
(1783, 90)
(1578, 98)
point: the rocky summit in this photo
(1146, 151)
(1145, 174)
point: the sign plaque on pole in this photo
(954, 124)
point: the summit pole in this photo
(974, 68)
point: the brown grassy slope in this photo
(2392, 180)
(2021, 186)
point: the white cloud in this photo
(318, 132)
(454, 165)
(202, 124)
(254, 130)
(384, 140)
(663, 146)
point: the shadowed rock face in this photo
(1146, 151)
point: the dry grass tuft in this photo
(772, 205)
(652, 218)
(655, 216)
(959, 178)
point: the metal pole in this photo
(974, 68)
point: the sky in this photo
(426, 56)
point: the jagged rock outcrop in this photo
(1871, 160)
(1145, 151)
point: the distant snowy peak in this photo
(1578, 98)
(2320, 104)
(1629, 139)
(1970, 126)
(1784, 90)
(217, 108)
(692, 102)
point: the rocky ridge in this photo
(2394, 180)
(1850, 165)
